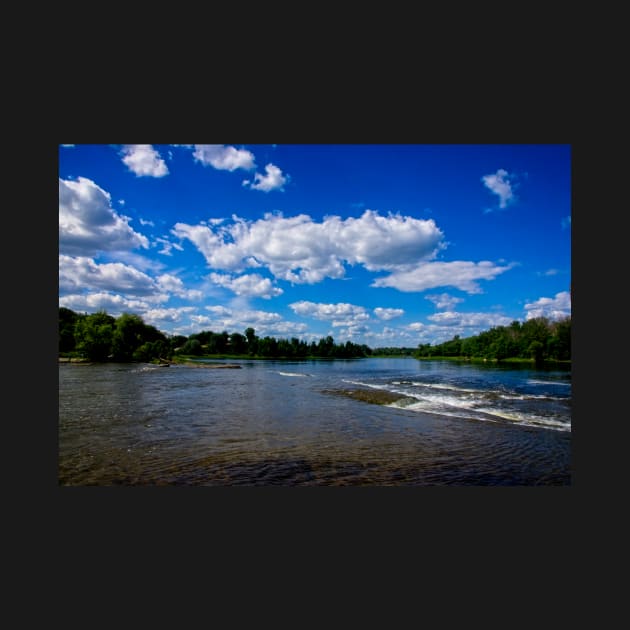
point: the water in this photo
(281, 423)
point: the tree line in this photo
(102, 337)
(538, 339)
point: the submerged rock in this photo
(216, 366)
(374, 396)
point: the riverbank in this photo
(508, 361)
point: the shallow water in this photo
(276, 423)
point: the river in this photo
(288, 423)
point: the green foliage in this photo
(252, 341)
(101, 337)
(127, 337)
(192, 346)
(537, 339)
(392, 352)
(67, 322)
(93, 336)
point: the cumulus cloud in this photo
(301, 250)
(88, 224)
(470, 320)
(340, 314)
(157, 316)
(82, 273)
(173, 285)
(388, 313)
(557, 307)
(224, 158)
(352, 332)
(237, 320)
(113, 304)
(444, 326)
(444, 300)
(460, 274)
(501, 185)
(144, 160)
(250, 285)
(219, 311)
(273, 180)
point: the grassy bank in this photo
(217, 357)
(508, 361)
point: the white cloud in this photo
(444, 300)
(218, 254)
(470, 320)
(224, 158)
(499, 183)
(340, 314)
(144, 160)
(444, 326)
(460, 274)
(143, 263)
(88, 224)
(114, 305)
(66, 145)
(146, 222)
(251, 285)
(388, 313)
(552, 308)
(172, 284)
(385, 242)
(351, 333)
(237, 320)
(273, 180)
(219, 311)
(301, 250)
(83, 274)
(167, 246)
(566, 222)
(160, 316)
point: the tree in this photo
(252, 341)
(238, 343)
(535, 351)
(93, 335)
(325, 346)
(559, 344)
(127, 336)
(192, 346)
(67, 322)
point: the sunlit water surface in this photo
(277, 423)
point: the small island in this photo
(374, 396)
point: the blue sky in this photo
(388, 245)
